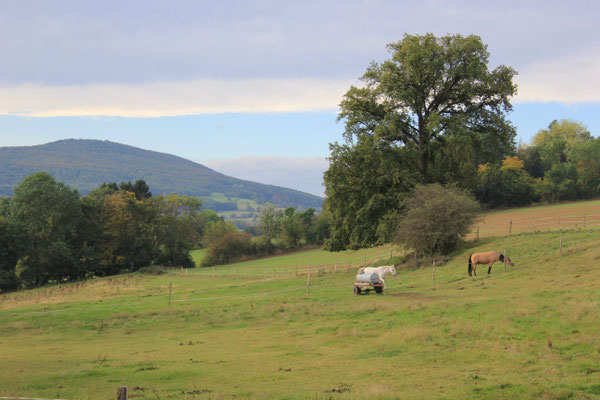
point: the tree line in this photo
(49, 233)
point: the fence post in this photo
(213, 272)
(122, 393)
(307, 281)
(561, 245)
(584, 222)
(533, 225)
(433, 275)
(558, 222)
(510, 228)
(477, 232)
(169, 295)
(335, 268)
(391, 254)
(505, 255)
(349, 265)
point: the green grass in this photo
(530, 332)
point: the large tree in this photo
(433, 112)
(431, 89)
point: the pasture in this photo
(572, 215)
(531, 332)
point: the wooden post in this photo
(213, 272)
(433, 275)
(296, 271)
(561, 245)
(510, 228)
(533, 225)
(477, 232)
(335, 268)
(365, 260)
(349, 265)
(584, 222)
(273, 272)
(307, 281)
(122, 393)
(237, 271)
(169, 295)
(558, 222)
(505, 259)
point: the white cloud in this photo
(172, 98)
(566, 80)
(304, 174)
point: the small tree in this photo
(436, 219)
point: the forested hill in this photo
(86, 164)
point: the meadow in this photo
(530, 331)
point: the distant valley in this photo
(86, 164)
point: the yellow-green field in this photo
(531, 332)
(573, 215)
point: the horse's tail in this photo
(470, 264)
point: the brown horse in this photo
(489, 257)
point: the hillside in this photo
(86, 164)
(530, 332)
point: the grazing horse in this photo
(381, 271)
(489, 257)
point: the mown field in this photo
(572, 215)
(532, 331)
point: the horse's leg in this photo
(382, 280)
(490, 268)
(474, 268)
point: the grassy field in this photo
(531, 332)
(574, 215)
(289, 264)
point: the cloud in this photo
(304, 174)
(567, 80)
(173, 98)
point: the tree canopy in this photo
(432, 113)
(431, 89)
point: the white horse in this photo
(381, 271)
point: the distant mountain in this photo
(86, 164)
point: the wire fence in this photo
(535, 225)
(270, 271)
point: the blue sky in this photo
(251, 88)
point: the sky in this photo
(252, 88)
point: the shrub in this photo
(436, 218)
(230, 247)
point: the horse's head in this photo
(393, 270)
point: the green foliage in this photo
(508, 186)
(49, 214)
(432, 89)
(436, 219)
(232, 246)
(433, 112)
(365, 183)
(48, 233)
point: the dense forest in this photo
(86, 164)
